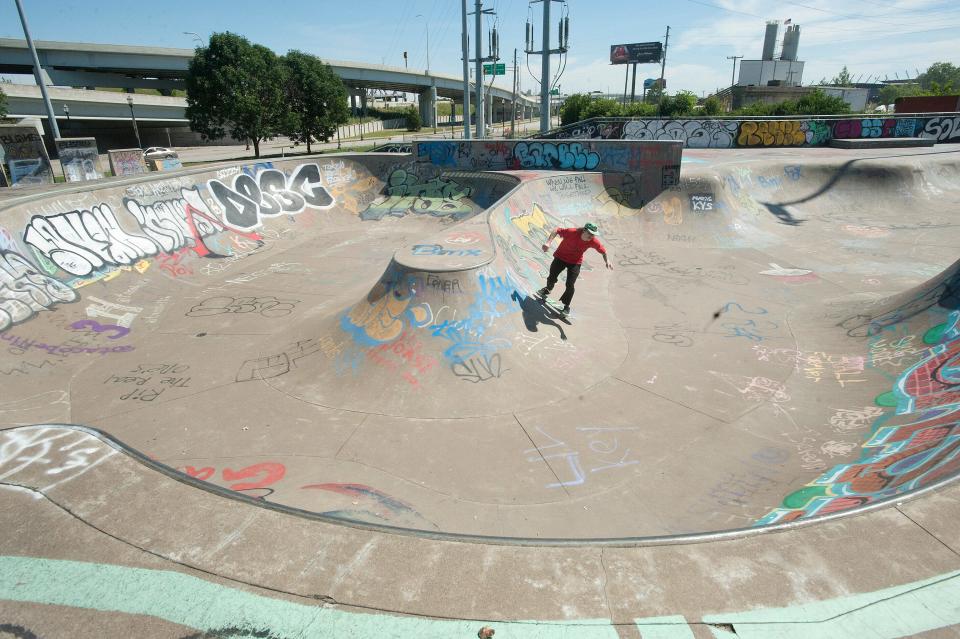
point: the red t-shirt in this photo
(572, 247)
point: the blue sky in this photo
(872, 37)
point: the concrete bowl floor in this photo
(733, 369)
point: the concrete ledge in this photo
(880, 143)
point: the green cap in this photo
(590, 227)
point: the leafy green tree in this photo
(414, 123)
(316, 99)
(890, 93)
(943, 74)
(236, 86)
(3, 104)
(843, 78)
(712, 106)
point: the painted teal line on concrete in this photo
(900, 611)
(672, 627)
(202, 605)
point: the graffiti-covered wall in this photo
(748, 133)
(657, 162)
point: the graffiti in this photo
(942, 129)
(547, 155)
(267, 306)
(479, 369)
(403, 355)
(725, 134)
(771, 133)
(463, 237)
(97, 327)
(896, 457)
(442, 285)
(374, 503)
(161, 378)
(49, 454)
(380, 317)
(408, 192)
(671, 207)
(568, 184)
(701, 202)
(845, 420)
(695, 134)
(266, 474)
(86, 240)
(437, 249)
(639, 258)
(278, 364)
(24, 291)
(270, 194)
(945, 294)
(673, 333)
(121, 315)
(756, 389)
(470, 337)
(24, 344)
(602, 445)
(814, 364)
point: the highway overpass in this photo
(73, 69)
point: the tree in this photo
(943, 74)
(680, 104)
(316, 100)
(843, 78)
(414, 123)
(3, 104)
(890, 92)
(235, 86)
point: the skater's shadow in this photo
(535, 314)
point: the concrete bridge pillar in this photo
(428, 102)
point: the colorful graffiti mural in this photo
(732, 133)
(897, 457)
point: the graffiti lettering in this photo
(267, 306)
(24, 291)
(271, 194)
(547, 155)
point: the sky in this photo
(871, 37)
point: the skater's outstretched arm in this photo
(546, 245)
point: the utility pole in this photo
(465, 44)
(545, 52)
(733, 76)
(479, 12)
(633, 84)
(38, 73)
(513, 120)
(663, 67)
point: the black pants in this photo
(573, 272)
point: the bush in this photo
(603, 108)
(712, 106)
(572, 108)
(679, 105)
(640, 110)
(414, 123)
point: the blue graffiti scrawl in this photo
(470, 336)
(548, 155)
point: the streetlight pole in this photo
(196, 36)
(733, 76)
(38, 73)
(133, 117)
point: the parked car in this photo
(159, 153)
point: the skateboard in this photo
(555, 307)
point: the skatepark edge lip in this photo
(546, 542)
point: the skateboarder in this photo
(569, 256)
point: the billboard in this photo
(636, 53)
(79, 159)
(25, 155)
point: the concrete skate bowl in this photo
(355, 338)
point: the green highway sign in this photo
(495, 69)
(554, 91)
